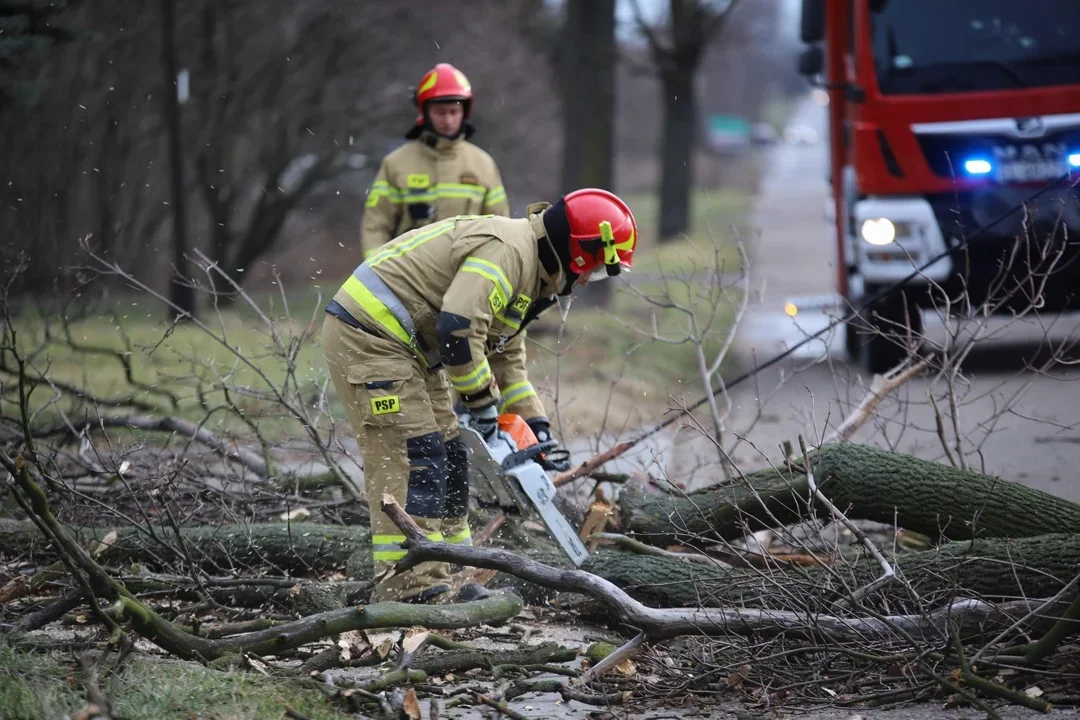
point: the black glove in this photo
(486, 420)
(541, 429)
(556, 458)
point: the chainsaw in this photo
(511, 468)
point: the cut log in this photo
(865, 483)
(459, 661)
(290, 548)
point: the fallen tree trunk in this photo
(704, 618)
(865, 483)
(991, 568)
(998, 568)
(99, 585)
(290, 548)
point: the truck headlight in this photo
(878, 231)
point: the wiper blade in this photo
(1008, 68)
(949, 73)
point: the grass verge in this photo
(50, 685)
(603, 370)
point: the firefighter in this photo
(439, 174)
(446, 306)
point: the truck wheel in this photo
(890, 342)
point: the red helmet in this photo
(442, 82)
(603, 233)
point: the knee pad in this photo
(427, 475)
(457, 478)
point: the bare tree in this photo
(677, 50)
(588, 98)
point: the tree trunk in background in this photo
(588, 94)
(680, 134)
(180, 292)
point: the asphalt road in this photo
(1014, 422)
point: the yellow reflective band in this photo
(462, 80)
(459, 190)
(516, 393)
(508, 321)
(460, 537)
(388, 548)
(429, 82)
(400, 247)
(381, 189)
(375, 307)
(491, 271)
(473, 381)
(495, 195)
(611, 257)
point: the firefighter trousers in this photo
(408, 436)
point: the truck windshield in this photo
(947, 46)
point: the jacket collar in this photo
(550, 284)
(439, 144)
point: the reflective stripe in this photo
(459, 190)
(381, 189)
(475, 380)
(461, 538)
(516, 393)
(495, 195)
(397, 248)
(509, 319)
(455, 191)
(491, 271)
(369, 291)
(513, 315)
(390, 548)
(378, 300)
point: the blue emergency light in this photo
(978, 166)
(1074, 159)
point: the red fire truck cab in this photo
(943, 114)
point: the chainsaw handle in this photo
(557, 460)
(533, 452)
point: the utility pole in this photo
(181, 293)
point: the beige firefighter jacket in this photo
(427, 180)
(459, 293)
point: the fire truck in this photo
(943, 115)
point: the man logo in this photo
(1030, 127)
(385, 405)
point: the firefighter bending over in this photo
(446, 306)
(439, 173)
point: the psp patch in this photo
(497, 300)
(469, 179)
(385, 405)
(522, 303)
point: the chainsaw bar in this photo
(524, 486)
